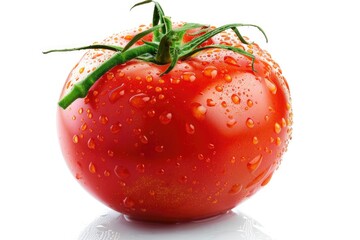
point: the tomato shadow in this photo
(233, 225)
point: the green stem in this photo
(81, 88)
(167, 47)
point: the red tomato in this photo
(186, 145)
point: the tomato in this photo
(188, 144)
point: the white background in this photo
(313, 195)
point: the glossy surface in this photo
(187, 145)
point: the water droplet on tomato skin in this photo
(250, 123)
(91, 143)
(139, 100)
(183, 179)
(210, 102)
(227, 78)
(210, 71)
(271, 86)
(159, 148)
(230, 60)
(143, 139)
(188, 76)
(140, 168)
(116, 127)
(266, 180)
(199, 111)
(75, 139)
(277, 128)
(255, 163)
(235, 99)
(165, 118)
(103, 119)
(236, 188)
(189, 128)
(255, 140)
(121, 172)
(117, 93)
(83, 127)
(128, 202)
(92, 168)
(231, 123)
(256, 180)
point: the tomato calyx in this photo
(166, 47)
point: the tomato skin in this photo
(187, 145)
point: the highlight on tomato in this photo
(174, 122)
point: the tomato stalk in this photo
(167, 47)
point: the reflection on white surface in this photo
(233, 225)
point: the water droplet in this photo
(277, 128)
(92, 168)
(143, 139)
(267, 180)
(249, 103)
(117, 93)
(149, 78)
(139, 100)
(219, 88)
(116, 127)
(231, 123)
(81, 110)
(188, 76)
(230, 60)
(110, 76)
(255, 140)
(210, 71)
(75, 139)
(250, 123)
(227, 78)
(78, 176)
(140, 168)
(110, 153)
(81, 70)
(199, 111)
(255, 163)
(200, 156)
(103, 119)
(256, 180)
(158, 89)
(236, 188)
(159, 148)
(151, 113)
(210, 102)
(83, 127)
(128, 202)
(91, 143)
(233, 159)
(121, 172)
(165, 118)
(271, 86)
(283, 122)
(174, 80)
(278, 141)
(211, 146)
(183, 179)
(235, 99)
(190, 128)
(106, 173)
